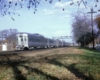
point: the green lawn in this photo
(90, 64)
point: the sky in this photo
(49, 20)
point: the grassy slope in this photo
(90, 64)
(58, 64)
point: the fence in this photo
(6, 47)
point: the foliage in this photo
(9, 6)
(9, 35)
(85, 39)
(80, 25)
(97, 20)
(82, 30)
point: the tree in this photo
(80, 25)
(86, 39)
(9, 35)
(7, 6)
(81, 28)
(97, 20)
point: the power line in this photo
(61, 37)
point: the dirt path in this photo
(53, 51)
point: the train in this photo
(26, 41)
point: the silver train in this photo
(27, 41)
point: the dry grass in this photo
(47, 64)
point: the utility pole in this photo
(84, 32)
(92, 25)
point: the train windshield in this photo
(19, 39)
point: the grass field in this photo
(71, 63)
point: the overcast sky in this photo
(50, 20)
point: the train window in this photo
(29, 39)
(21, 39)
(32, 39)
(20, 36)
(37, 40)
(25, 39)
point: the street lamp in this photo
(92, 25)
